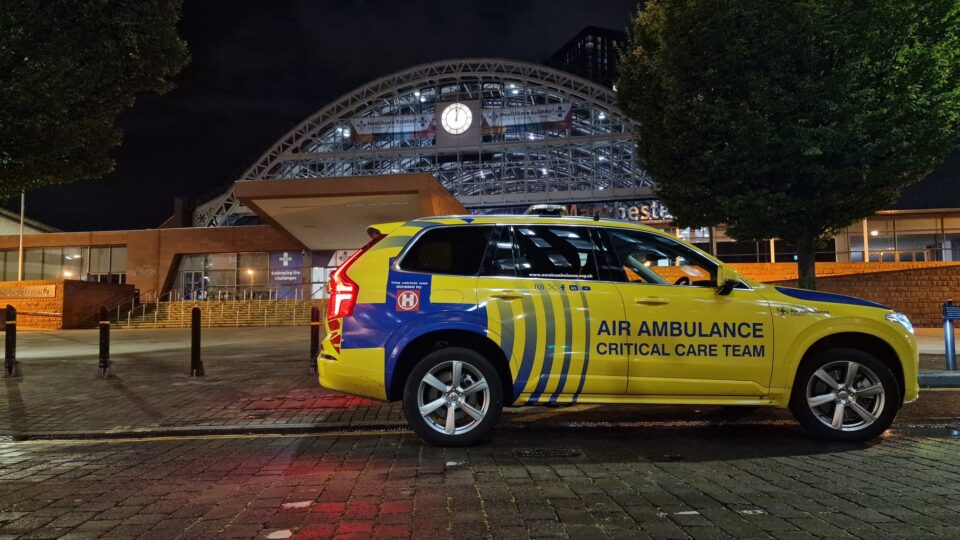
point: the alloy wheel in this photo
(845, 396)
(453, 397)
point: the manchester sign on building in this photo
(646, 210)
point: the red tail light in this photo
(343, 290)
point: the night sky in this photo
(260, 67)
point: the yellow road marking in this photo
(553, 412)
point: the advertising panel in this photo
(387, 128)
(286, 273)
(553, 116)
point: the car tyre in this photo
(845, 395)
(447, 414)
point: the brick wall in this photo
(37, 305)
(152, 253)
(917, 292)
(767, 272)
(82, 301)
(72, 304)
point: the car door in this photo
(682, 338)
(540, 289)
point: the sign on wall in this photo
(649, 210)
(29, 291)
(630, 210)
(286, 273)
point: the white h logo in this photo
(408, 300)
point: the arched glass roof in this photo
(542, 135)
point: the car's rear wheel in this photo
(845, 395)
(453, 397)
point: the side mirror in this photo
(727, 280)
(727, 287)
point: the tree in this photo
(68, 69)
(791, 119)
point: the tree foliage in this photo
(791, 119)
(68, 69)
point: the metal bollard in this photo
(104, 344)
(196, 364)
(12, 367)
(950, 313)
(314, 338)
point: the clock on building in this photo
(456, 118)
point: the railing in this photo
(118, 311)
(142, 308)
(238, 310)
(225, 293)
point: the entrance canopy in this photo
(334, 213)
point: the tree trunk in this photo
(806, 263)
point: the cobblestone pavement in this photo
(584, 471)
(671, 483)
(254, 377)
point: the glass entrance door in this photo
(193, 285)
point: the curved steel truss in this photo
(590, 157)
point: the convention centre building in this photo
(478, 135)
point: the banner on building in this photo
(554, 116)
(286, 273)
(388, 128)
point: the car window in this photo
(500, 260)
(655, 259)
(555, 252)
(448, 250)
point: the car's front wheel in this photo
(453, 397)
(845, 395)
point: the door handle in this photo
(651, 300)
(507, 295)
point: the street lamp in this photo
(23, 204)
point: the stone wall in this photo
(39, 304)
(58, 304)
(768, 272)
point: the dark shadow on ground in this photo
(137, 401)
(16, 410)
(696, 443)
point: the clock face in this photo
(456, 118)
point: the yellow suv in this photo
(459, 316)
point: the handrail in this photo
(248, 311)
(248, 292)
(143, 306)
(115, 311)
